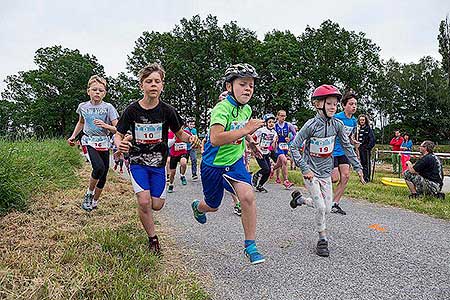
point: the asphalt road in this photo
(377, 252)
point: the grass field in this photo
(55, 250)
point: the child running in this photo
(97, 119)
(266, 137)
(222, 166)
(149, 120)
(178, 154)
(319, 135)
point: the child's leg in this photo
(317, 202)
(248, 205)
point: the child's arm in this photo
(76, 131)
(218, 135)
(188, 138)
(111, 128)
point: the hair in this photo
(281, 110)
(347, 96)
(429, 145)
(365, 118)
(96, 79)
(149, 69)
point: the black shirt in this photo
(149, 128)
(430, 167)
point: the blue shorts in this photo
(216, 179)
(145, 178)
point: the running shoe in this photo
(297, 199)
(253, 255)
(278, 180)
(199, 216)
(170, 189)
(261, 189)
(255, 179)
(336, 209)
(153, 245)
(115, 168)
(121, 171)
(322, 248)
(87, 202)
(94, 204)
(237, 209)
(194, 177)
(183, 180)
(287, 184)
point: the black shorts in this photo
(340, 160)
(174, 161)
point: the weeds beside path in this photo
(55, 250)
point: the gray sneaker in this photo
(87, 202)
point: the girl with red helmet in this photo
(318, 135)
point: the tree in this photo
(46, 98)
(444, 46)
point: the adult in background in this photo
(366, 142)
(395, 143)
(405, 146)
(426, 176)
(192, 153)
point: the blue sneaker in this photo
(199, 216)
(252, 253)
(183, 180)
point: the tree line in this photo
(412, 97)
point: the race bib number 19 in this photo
(321, 147)
(148, 133)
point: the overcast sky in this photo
(405, 30)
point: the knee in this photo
(144, 205)
(157, 205)
(247, 198)
(345, 177)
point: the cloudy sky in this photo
(405, 30)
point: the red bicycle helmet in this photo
(324, 91)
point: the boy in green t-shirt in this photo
(222, 164)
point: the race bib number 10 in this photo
(321, 147)
(148, 133)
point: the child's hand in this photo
(194, 141)
(100, 123)
(255, 150)
(125, 144)
(309, 175)
(253, 124)
(71, 141)
(361, 177)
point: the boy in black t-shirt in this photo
(149, 120)
(426, 176)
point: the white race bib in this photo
(148, 133)
(235, 125)
(321, 147)
(265, 143)
(99, 143)
(283, 146)
(180, 146)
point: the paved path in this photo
(405, 256)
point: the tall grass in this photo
(28, 167)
